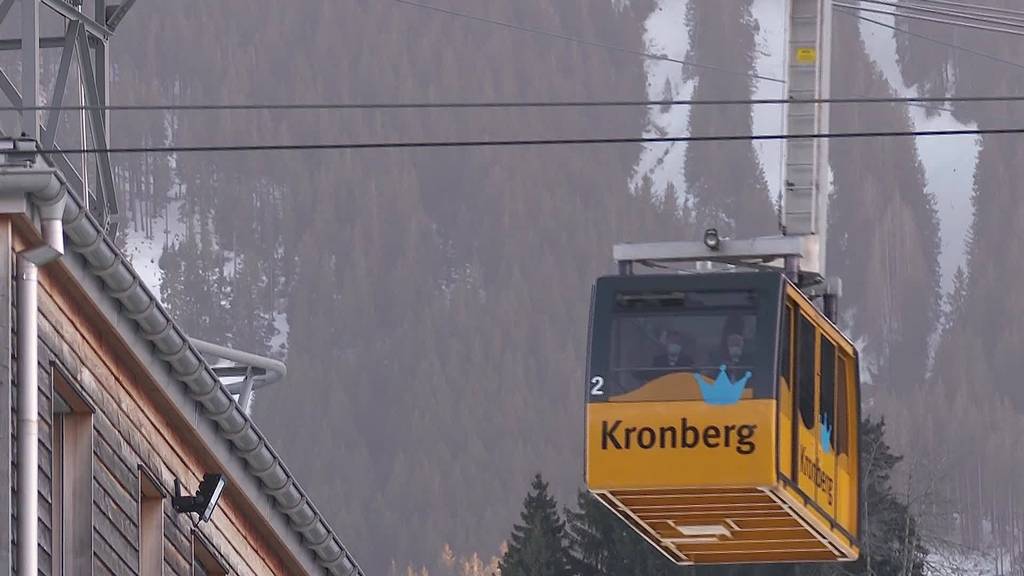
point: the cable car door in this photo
(805, 454)
(826, 470)
(814, 461)
(786, 393)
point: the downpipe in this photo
(47, 192)
(28, 418)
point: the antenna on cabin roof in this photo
(242, 373)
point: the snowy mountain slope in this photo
(666, 31)
(771, 62)
(948, 162)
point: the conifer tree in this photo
(733, 197)
(890, 541)
(602, 545)
(537, 546)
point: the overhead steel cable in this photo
(914, 6)
(978, 7)
(534, 142)
(961, 24)
(584, 42)
(952, 45)
(530, 104)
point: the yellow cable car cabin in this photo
(722, 418)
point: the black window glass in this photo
(827, 400)
(785, 362)
(843, 418)
(658, 333)
(805, 371)
(689, 300)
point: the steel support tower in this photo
(84, 49)
(806, 177)
(800, 250)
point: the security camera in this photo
(711, 239)
(205, 499)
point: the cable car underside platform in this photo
(723, 525)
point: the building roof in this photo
(140, 314)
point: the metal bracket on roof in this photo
(772, 252)
(247, 372)
(764, 249)
(783, 253)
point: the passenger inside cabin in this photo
(734, 350)
(675, 355)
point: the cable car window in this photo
(840, 437)
(805, 371)
(827, 399)
(785, 362)
(689, 300)
(659, 333)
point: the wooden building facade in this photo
(126, 406)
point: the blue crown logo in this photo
(826, 435)
(723, 391)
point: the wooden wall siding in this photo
(45, 470)
(6, 407)
(129, 430)
(142, 433)
(13, 418)
(178, 545)
(120, 445)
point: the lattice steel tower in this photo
(84, 49)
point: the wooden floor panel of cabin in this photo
(761, 528)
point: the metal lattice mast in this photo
(806, 183)
(85, 45)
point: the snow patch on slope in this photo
(953, 561)
(279, 341)
(771, 62)
(949, 162)
(144, 252)
(667, 32)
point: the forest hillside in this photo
(431, 305)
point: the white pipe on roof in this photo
(276, 370)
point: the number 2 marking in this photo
(597, 382)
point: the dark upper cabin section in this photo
(644, 326)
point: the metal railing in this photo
(248, 372)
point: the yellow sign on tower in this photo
(806, 55)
